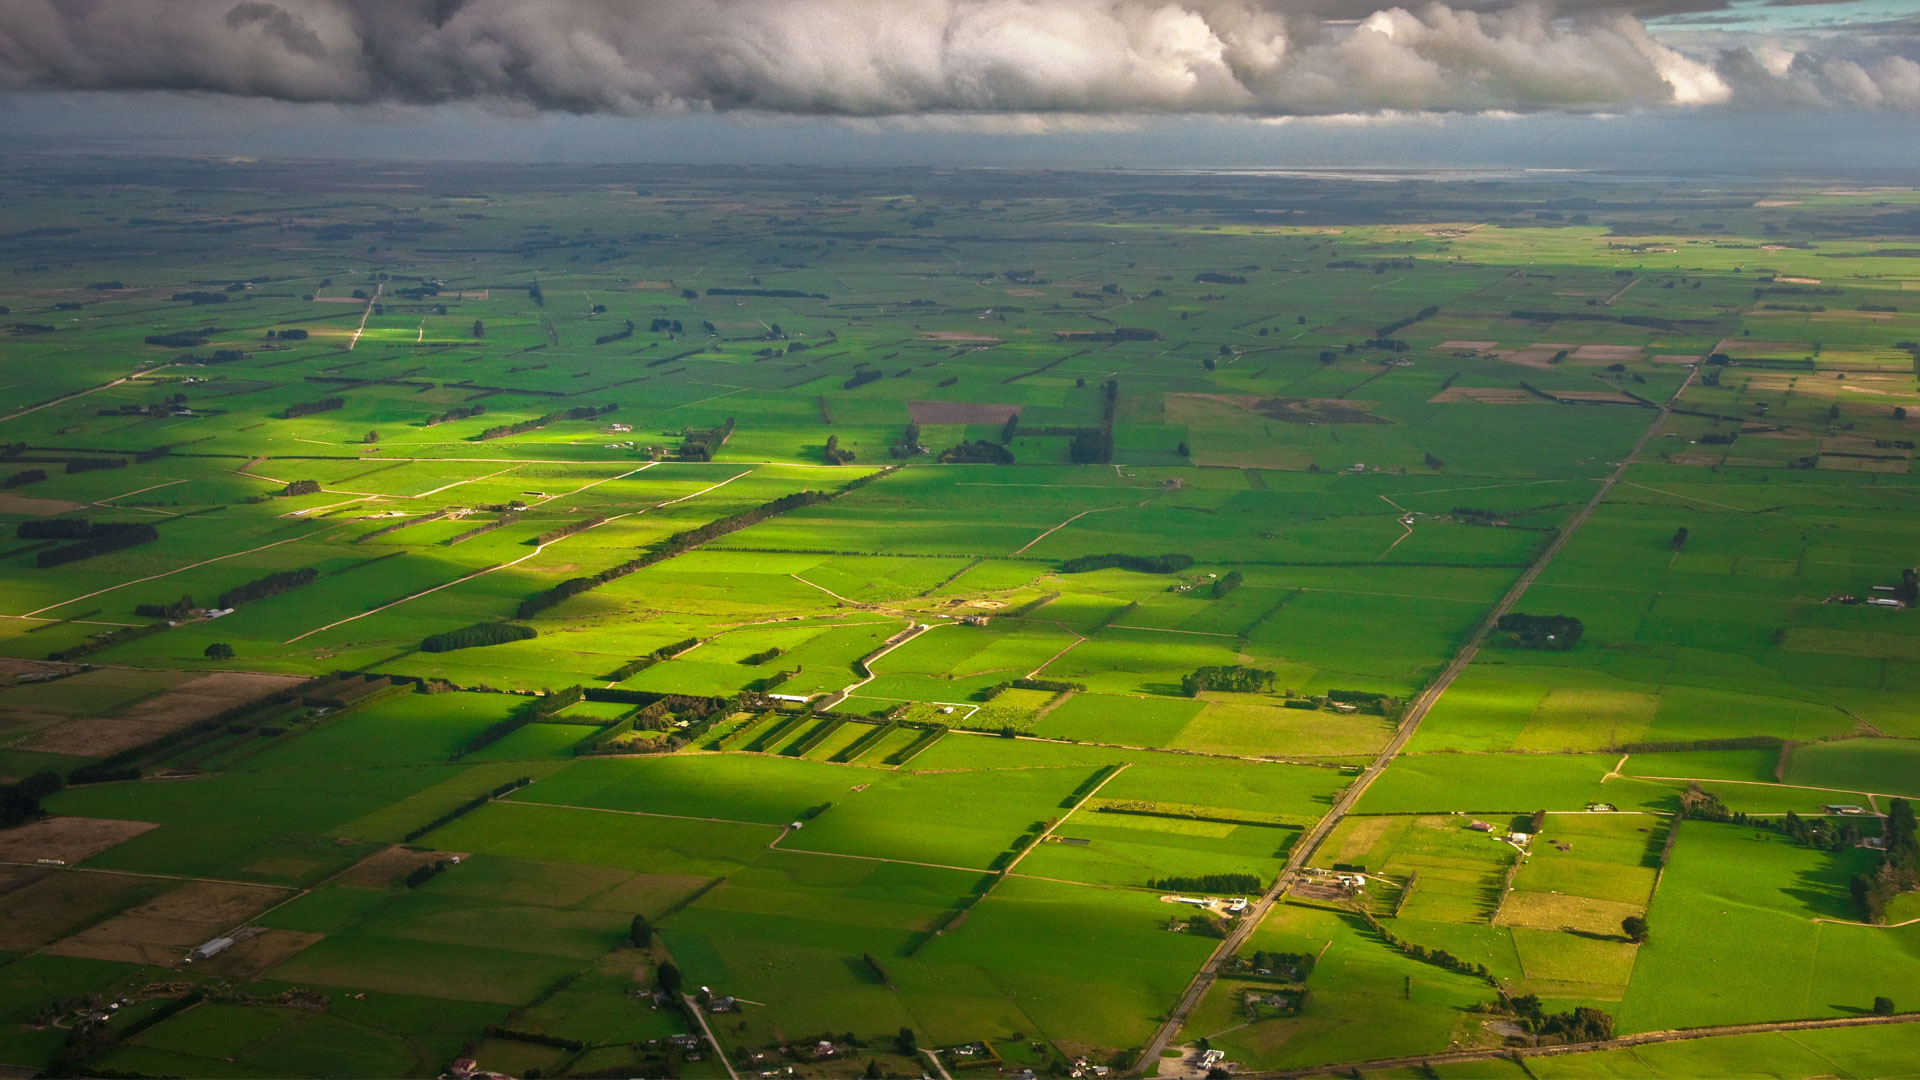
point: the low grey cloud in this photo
(888, 58)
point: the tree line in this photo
(1208, 883)
(103, 538)
(578, 412)
(308, 408)
(1170, 563)
(702, 444)
(272, 585)
(1899, 869)
(1236, 678)
(468, 637)
(1547, 632)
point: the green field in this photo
(914, 596)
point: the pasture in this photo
(891, 521)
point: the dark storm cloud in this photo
(913, 57)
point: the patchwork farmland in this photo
(600, 621)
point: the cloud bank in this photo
(904, 58)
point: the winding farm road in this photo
(1304, 848)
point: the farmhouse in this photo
(212, 948)
(1843, 808)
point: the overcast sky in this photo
(1732, 85)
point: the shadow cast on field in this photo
(1824, 891)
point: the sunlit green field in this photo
(858, 738)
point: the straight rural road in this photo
(1304, 848)
(1643, 1039)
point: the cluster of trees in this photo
(1171, 563)
(1547, 632)
(1209, 277)
(617, 335)
(862, 378)
(834, 454)
(20, 801)
(1706, 806)
(1208, 883)
(977, 452)
(578, 412)
(1091, 446)
(1899, 869)
(1295, 966)
(1235, 678)
(699, 713)
(24, 477)
(176, 610)
(302, 487)
(426, 872)
(1391, 328)
(218, 356)
(1816, 832)
(308, 408)
(467, 637)
(909, 444)
(107, 537)
(1204, 924)
(456, 414)
(701, 445)
(1224, 585)
(669, 325)
(271, 585)
(199, 298)
(1581, 1025)
(761, 657)
(295, 334)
